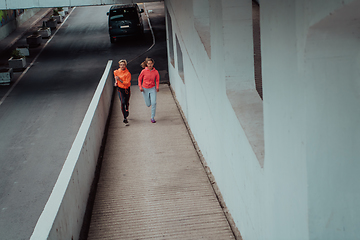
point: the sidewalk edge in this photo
(25, 30)
(209, 174)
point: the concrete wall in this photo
(12, 25)
(286, 166)
(333, 153)
(62, 217)
(20, 4)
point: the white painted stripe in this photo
(152, 34)
(32, 63)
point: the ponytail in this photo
(144, 63)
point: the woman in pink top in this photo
(149, 84)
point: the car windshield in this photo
(123, 14)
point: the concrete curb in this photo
(209, 174)
(24, 31)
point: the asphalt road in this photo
(40, 117)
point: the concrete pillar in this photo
(333, 130)
(306, 186)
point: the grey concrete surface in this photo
(11, 39)
(9, 4)
(168, 192)
(152, 184)
(39, 119)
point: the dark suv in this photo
(124, 21)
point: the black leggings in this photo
(124, 96)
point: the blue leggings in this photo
(150, 99)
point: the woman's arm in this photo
(140, 78)
(157, 78)
(127, 79)
(115, 77)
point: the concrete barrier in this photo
(64, 211)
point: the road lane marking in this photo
(152, 33)
(32, 63)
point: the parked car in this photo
(124, 21)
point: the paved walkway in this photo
(152, 184)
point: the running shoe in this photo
(126, 122)
(153, 120)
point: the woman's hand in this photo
(119, 79)
(157, 90)
(141, 90)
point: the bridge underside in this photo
(20, 4)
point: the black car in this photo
(124, 21)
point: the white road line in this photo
(153, 37)
(32, 63)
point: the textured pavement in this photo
(152, 184)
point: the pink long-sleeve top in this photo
(148, 78)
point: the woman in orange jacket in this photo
(123, 82)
